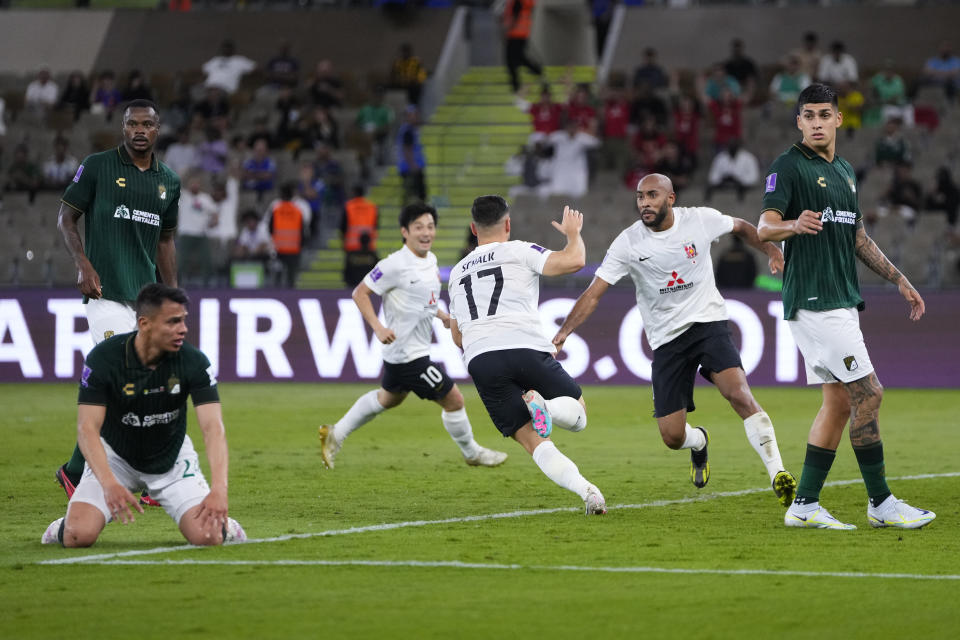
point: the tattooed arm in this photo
(871, 255)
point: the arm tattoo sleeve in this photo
(871, 255)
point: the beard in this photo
(658, 219)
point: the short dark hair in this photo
(413, 211)
(489, 210)
(152, 296)
(142, 103)
(817, 93)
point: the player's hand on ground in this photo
(570, 224)
(913, 297)
(775, 260)
(212, 512)
(88, 281)
(386, 335)
(808, 222)
(119, 499)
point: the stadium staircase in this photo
(467, 141)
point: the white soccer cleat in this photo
(233, 532)
(329, 445)
(487, 458)
(897, 513)
(537, 406)
(594, 504)
(50, 536)
(818, 518)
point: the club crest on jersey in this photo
(850, 363)
(162, 190)
(690, 249)
(173, 383)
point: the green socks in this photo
(870, 459)
(75, 464)
(816, 466)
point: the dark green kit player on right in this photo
(129, 201)
(810, 203)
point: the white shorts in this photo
(177, 490)
(832, 345)
(109, 317)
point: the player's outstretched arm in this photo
(444, 317)
(118, 498)
(748, 233)
(572, 257)
(361, 297)
(585, 306)
(88, 280)
(871, 255)
(213, 508)
(773, 228)
(167, 257)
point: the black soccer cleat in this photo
(699, 463)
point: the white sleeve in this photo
(532, 255)
(615, 263)
(383, 277)
(715, 224)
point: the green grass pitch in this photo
(666, 561)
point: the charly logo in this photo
(822, 181)
(122, 212)
(129, 389)
(122, 182)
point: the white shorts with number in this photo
(177, 490)
(832, 345)
(109, 317)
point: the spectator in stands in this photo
(331, 173)
(517, 21)
(105, 97)
(743, 69)
(322, 128)
(326, 88)
(236, 154)
(311, 189)
(546, 115)
(196, 221)
(75, 95)
(224, 71)
(23, 174)
(736, 268)
(646, 103)
(213, 110)
(808, 55)
(732, 168)
(213, 152)
(41, 93)
(411, 161)
(580, 109)
(904, 196)
(890, 91)
(60, 169)
(180, 113)
(261, 131)
(944, 70)
(136, 88)
(945, 196)
(675, 165)
(715, 82)
(534, 165)
(283, 70)
(226, 195)
(850, 104)
(182, 155)
(288, 223)
(686, 126)
(570, 169)
(892, 148)
(361, 218)
(374, 120)
(357, 264)
(650, 72)
(259, 170)
(727, 114)
(616, 136)
(289, 107)
(602, 13)
(253, 242)
(409, 74)
(648, 142)
(789, 82)
(839, 66)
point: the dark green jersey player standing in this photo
(810, 203)
(132, 423)
(129, 200)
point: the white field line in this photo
(99, 558)
(454, 564)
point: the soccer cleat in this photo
(897, 513)
(233, 533)
(147, 500)
(66, 480)
(594, 504)
(699, 463)
(537, 406)
(785, 487)
(52, 534)
(328, 445)
(487, 458)
(818, 518)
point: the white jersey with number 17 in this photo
(494, 296)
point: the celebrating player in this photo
(667, 255)
(409, 283)
(493, 302)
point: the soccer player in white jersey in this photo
(494, 293)
(409, 283)
(667, 255)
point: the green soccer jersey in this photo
(125, 211)
(820, 271)
(146, 416)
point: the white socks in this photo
(458, 426)
(693, 438)
(762, 438)
(363, 411)
(560, 468)
(567, 413)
